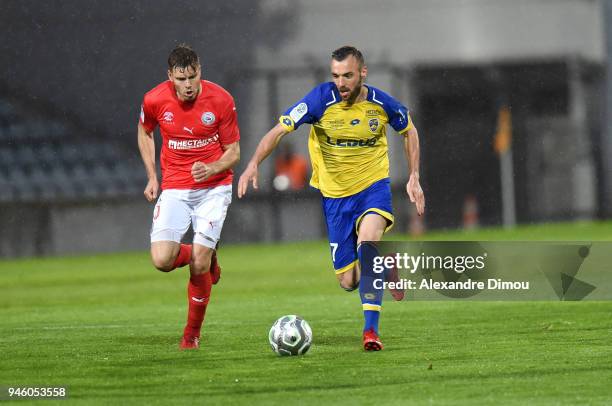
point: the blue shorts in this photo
(343, 215)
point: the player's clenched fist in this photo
(200, 171)
(151, 190)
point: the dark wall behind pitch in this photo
(95, 59)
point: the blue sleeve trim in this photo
(311, 107)
(396, 111)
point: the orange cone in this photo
(470, 212)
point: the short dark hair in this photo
(182, 57)
(344, 52)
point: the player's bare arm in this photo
(267, 144)
(413, 187)
(231, 156)
(146, 145)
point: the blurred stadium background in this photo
(73, 73)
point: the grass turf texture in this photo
(108, 326)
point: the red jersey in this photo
(191, 131)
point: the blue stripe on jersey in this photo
(396, 111)
(310, 109)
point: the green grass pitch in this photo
(108, 326)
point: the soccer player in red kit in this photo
(198, 124)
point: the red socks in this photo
(184, 256)
(198, 292)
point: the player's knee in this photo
(162, 263)
(371, 235)
(349, 286)
(348, 280)
(372, 227)
(201, 264)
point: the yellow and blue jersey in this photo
(347, 143)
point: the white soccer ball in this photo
(290, 335)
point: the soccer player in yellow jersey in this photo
(348, 151)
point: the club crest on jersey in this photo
(208, 118)
(168, 117)
(373, 123)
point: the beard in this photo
(355, 92)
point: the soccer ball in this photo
(290, 335)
